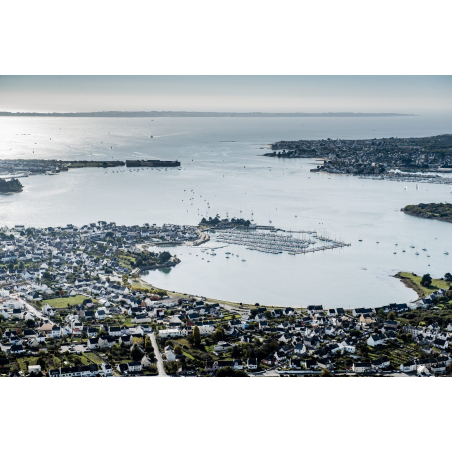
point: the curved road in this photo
(160, 366)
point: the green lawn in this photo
(63, 302)
(93, 358)
(415, 283)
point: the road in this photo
(35, 312)
(265, 373)
(160, 366)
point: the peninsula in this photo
(373, 157)
(433, 211)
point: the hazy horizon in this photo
(240, 94)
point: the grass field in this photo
(414, 282)
(63, 302)
(93, 358)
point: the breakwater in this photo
(152, 163)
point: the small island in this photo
(225, 222)
(433, 211)
(11, 186)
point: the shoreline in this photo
(244, 306)
(425, 217)
(409, 284)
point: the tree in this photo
(391, 315)
(448, 277)
(426, 280)
(171, 367)
(124, 279)
(136, 353)
(230, 372)
(40, 362)
(218, 335)
(196, 336)
(326, 373)
(164, 257)
(268, 314)
(178, 350)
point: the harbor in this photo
(277, 243)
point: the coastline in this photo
(409, 284)
(245, 306)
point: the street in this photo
(158, 356)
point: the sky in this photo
(276, 93)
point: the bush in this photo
(171, 367)
(230, 372)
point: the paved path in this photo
(160, 365)
(34, 311)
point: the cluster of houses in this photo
(70, 252)
(312, 341)
(307, 340)
(367, 156)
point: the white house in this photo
(169, 352)
(34, 369)
(376, 339)
(93, 343)
(48, 310)
(171, 332)
(54, 332)
(361, 367)
(410, 366)
(237, 364)
(252, 363)
(135, 366)
(100, 314)
(107, 370)
(222, 346)
(347, 347)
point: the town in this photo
(72, 304)
(373, 157)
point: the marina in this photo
(277, 243)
